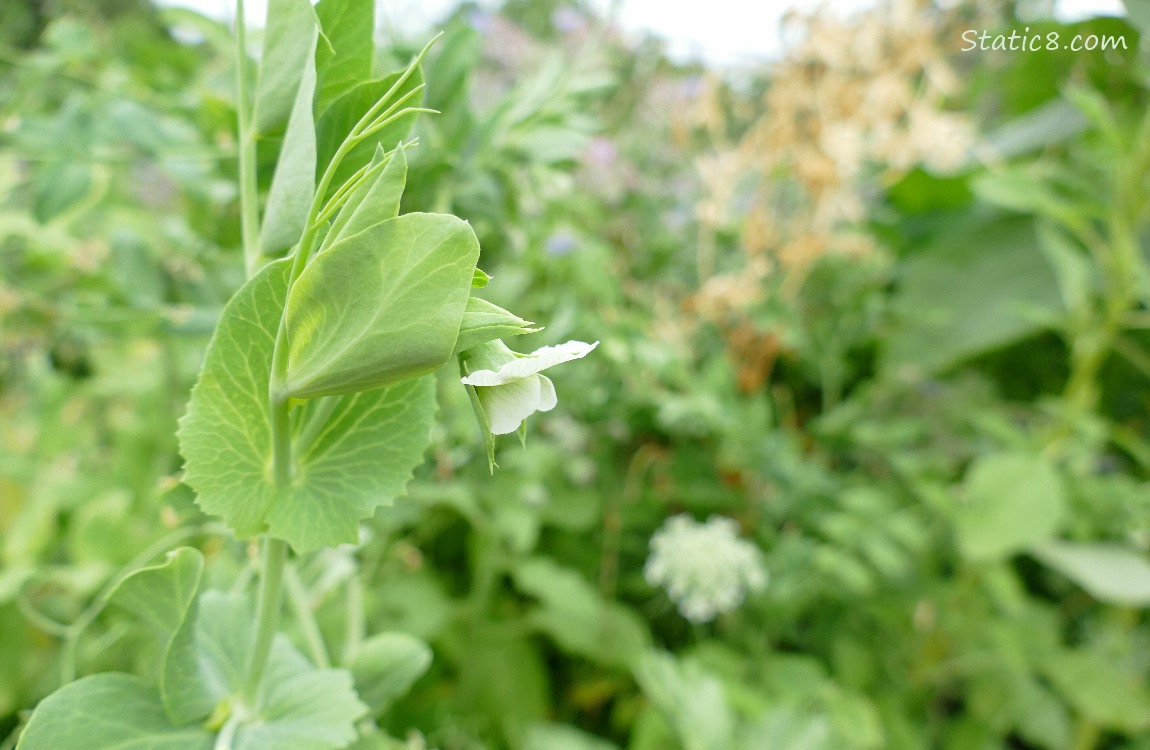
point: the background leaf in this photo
(1108, 697)
(108, 712)
(1109, 572)
(386, 665)
(1010, 501)
(293, 184)
(346, 58)
(165, 596)
(290, 27)
(975, 290)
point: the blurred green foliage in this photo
(946, 465)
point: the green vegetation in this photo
(861, 459)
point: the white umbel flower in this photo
(705, 568)
(509, 386)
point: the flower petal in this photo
(507, 405)
(483, 377)
(541, 359)
(547, 397)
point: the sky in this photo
(729, 32)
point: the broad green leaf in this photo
(161, 594)
(1010, 501)
(386, 665)
(690, 699)
(573, 613)
(1054, 122)
(347, 59)
(787, 727)
(289, 29)
(360, 459)
(562, 737)
(377, 740)
(293, 184)
(108, 712)
(303, 708)
(1109, 572)
(483, 322)
(503, 674)
(336, 121)
(972, 292)
(373, 202)
(1025, 191)
(380, 306)
(165, 596)
(300, 707)
(1100, 690)
(225, 436)
(1072, 266)
(363, 459)
(58, 186)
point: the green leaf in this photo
(1100, 690)
(386, 665)
(293, 184)
(1055, 122)
(164, 596)
(787, 727)
(502, 674)
(380, 306)
(107, 712)
(1011, 502)
(303, 708)
(347, 59)
(335, 122)
(373, 202)
(562, 737)
(480, 279)
(690, 699)
(972, 292)
(574, 614)
(1072, 266)
(360, 458)
(225, 435)
(290, 28)
(1109, 572)
(300, 707)
(58, 186)
(1025, 191)
(483, 322)
(161, 594)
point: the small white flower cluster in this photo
(705, 568)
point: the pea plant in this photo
(314, 405)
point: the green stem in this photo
(249, 190)
(321, 413)
(356, 623)
(297, 596)
(281, 434)
(267, 616)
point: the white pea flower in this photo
(705, 568)
(509, 386)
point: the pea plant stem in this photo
(249, 203)
(275, 551)
(268, 606)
